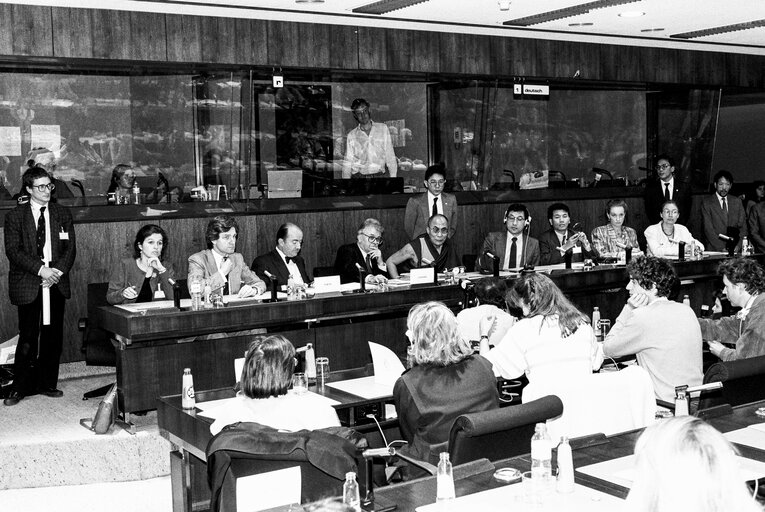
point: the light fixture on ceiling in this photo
(713, 31)
(631, 14)
(566, 12)
(659, 29)
(582, 24)
(504, 5)
(386, 6)
(309, 1)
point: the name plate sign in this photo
(421, 275)
(327, 284)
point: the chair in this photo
(468, 261)
(244, 449)
(743, 382)
(324, 271)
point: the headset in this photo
(518, 208)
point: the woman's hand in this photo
(130, 292)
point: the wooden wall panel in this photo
(298, 44)
(184, 41)
(659, 65)
(465, 53)
(373, 48)
(569, 57)
(343, 47)
(218, 36)
(251, 42)
(26, 30)
(111, 35)
(72, 43)
(148, 39)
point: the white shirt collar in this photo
(720, 198)
(745, 310)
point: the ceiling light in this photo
(566, 12)
(309, 1)
(631, 14)
(504, 5)
(386, 6)
(582, 24)
(652, 30)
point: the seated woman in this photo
(265, 397)
(663, 239)
(552, 343)
(444, 381)
(683, 463)
(121, 183)
(144, 277)
(490, 296)
(611, 240)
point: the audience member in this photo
(433, 248)
(513, 246)
(663, 239)
(722, 214)
(559, 239)
(264, 398)
(145, 276)
(756, 225)
(744, 282)
(665, 187)
(758, 196)
(683, 463)
(121, 183)
(369, 149)
(490, 297)
(664, 334)
(222, 268)
(611, 240)
(444, 381)
(284, 261)
(365, 253)
(435, 201)
(40, 246)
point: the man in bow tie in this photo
(284, 261)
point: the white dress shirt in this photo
(292, 268)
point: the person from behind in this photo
(444, 380)
(611, 240)
(513, 246)
(144, 277)
(284, 261)
(369, 148)
(365, 253)
(431, 249)
(490, 297)
(265, 395)
(744, 282)
(435, 201)
(559, 239)
(722, 214)
(684, 463)
(662, 333)
(663, 239)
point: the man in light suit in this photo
(721, 213)
(514, 247)
(40, 246)
(284, 261)
(365, 253)
(666, 188)
(435, 201)
(223, 268)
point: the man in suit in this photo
(722, 214)
(555, 243)
(40, 246)
(664, 188)
(284, 261)
(514, 247)
(224, 269)
(435, 201)
(756, 225)
(431, 249)
(365, 253)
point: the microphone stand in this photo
(274, 287)
(526, 267)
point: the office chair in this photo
(324, 271)
(743, 379)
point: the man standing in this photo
(665, 188)
(664, 334)
(744, 282)
(555, 243)
(757, 225)
(284, 260)
(721, 214)
(40, 246)
(365, 253)
(514, 247)
(433, 248)
(369, 149)
(434, 202)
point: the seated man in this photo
(514, 247)
(223, 268)
(744, 282)
(365, 252)
(664, 334)
(284, 261)
(555, 243)
(431, 249)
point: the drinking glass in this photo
(322, 371)
(533, 490)
(299, 383)
(604, 325)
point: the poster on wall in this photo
(46, 136)
(10, 141)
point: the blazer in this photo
(345, 263)
(128, 274)
(496, 243)
(654, 198)
(274, 263)
(418, 212)
(202, 266)
(757, 226)
(21, 250)
(713, 222)
(550, 255)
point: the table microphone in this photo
(362, 280)
(495, 264)
(274, 285)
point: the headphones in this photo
(518, 208)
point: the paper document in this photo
(387, 365)
(186, 303)
(748, 437)
(271, 489)
(364, 387)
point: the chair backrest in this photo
(324, 271)
(499, 433)
(743, 382)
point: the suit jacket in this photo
(202, 266)
(418, 212)
(21, 249)
(550, 255)
(345, 263)
(127, 274)
(274, 263)
(654, 198)
(713, 221)
(496, 243)
(757, 226)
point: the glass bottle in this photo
(541, 453)
(444, 479)
(565, 467)
(351, 492)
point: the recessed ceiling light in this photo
(582, 24)
(652, 30)
(504, 5)
(631, 14)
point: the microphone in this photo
(362, 280)
(274, 286)
(526, 241)
(724, 238)
(494, 264)
(490, 255)
(269, 275)
(78, 184)
(598, 170)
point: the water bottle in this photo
(595, 317)
(541, 453)
(565, 467)
(351, 492)
(745, 247)
(687, 300)
(444, 479)
(207, 293)
(195, 290)
(135, 193)
(187, 396)
(310, 361)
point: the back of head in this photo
(543, 298)
(649, 271)
(434, 337)
(268, 367)
(491, 290)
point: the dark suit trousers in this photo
(47, 353)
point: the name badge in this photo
(63, 235)
(577, 250)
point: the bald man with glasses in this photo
(365, 253)
(435, 201)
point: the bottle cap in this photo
(350, 475)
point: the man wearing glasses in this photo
(666, 187)
(364, 253)
(369, 149)
(435, 201)
(431, 249)
(40, 246)
(514, 247)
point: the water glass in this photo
(322, 371)
(604, 325)
(299, 383)
(533, 489)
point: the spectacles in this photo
(373, 239)
(437, 183)
(43, 188)
(360, 111)
(435, 231)
(663, 166)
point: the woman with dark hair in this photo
(663, 239)
(121, 183)
(553, 340)
(144, 277)
(264, 398)
(490, 297)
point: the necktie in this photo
(724, 206)
(225, 286)
(513, 253)
(435, 206)
(41, 233)
(368, 261)
(666, 192)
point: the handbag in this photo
(106, 415)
